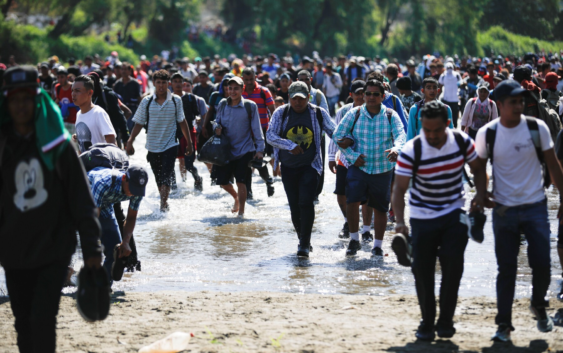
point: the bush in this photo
(501, 41)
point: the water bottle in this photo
(176, 342)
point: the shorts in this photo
(183, 144)
(341, 172)
(162, 164)
(237, 168)
(377, 187)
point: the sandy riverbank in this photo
(283, 322)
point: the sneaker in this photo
(545, 323)
(391, 216)
(345, 232)
(376, 251)
(271, 190)
(118, 265)
(445, 331)
(198, 184)
(425, 332)
(402, 249)
(303, 251)
(367, 237)
(503, 333)
(353, 247)
(476, 224)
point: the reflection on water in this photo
(200, 245)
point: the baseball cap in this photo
(62, 71)
(449, 66)
(551, 77)
(143, 57)
(298, 89)
(138, 179)
(203, 72)
(357, 85)
(304, 72)
(509, 88)
(404, 83)
(410, 63)
(44, 65)
(236, 80)
(307, 59)
(20, 76)
(484, 85)
(285, 75)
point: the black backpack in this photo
(491, 135)
(178, 128)
(417, 144)
(105, 155)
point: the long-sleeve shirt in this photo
(322, 102)
(332, 88)
(372, 137)
(107, 190)
(415, 123)
(277, 126)
(398, 107)
(333, 147)
(243, 131)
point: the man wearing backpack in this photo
(436, 205)
(377, 138)
(45, 200)
(238, 119)
(478, 112)
(193, 107)
(550, 93)
(430, 92)
(263, 98)
(295, 132)
(520, 156)
(162, 115)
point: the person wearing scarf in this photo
(45, 199)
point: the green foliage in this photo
(498, 40)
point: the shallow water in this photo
(200, 245)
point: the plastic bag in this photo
(217, 150)
(176, 342)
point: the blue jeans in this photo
(532, 220)
(331, 103)
(110, 238)
(300, 186)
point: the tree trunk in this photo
(63, 24)
(6, 7)
(391, 16)
(126, 29)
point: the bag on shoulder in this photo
(105, 155)
(549, 116)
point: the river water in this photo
(200, 245)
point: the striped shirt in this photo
(262, 104)
(161, 134)
(437, 188)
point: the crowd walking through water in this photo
(398, 139)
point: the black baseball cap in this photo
(20, 76)
(509, 88)
(138, 179)
(358, 85)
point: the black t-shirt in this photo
(47, 82)
(189, 103)
(203, 92)
(130, 93)
(284, 95)
(299, 129)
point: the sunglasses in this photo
(375, 94)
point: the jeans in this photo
(34, 296)
(532, 220)
(300, 186)
(444, 238)
(110, 238)
(331, 103)
(454, 106)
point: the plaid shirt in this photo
(333, 147)
(277, 127)
(106, 193)
(372, 137)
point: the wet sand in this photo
(284, 322)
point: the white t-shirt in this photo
(449, 81)
(92, 127)
(517, 171)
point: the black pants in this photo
(300, 186)
(444, 238)
(454, 106)
(34, 296)
(322, 177)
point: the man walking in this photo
(331, 88)
(434, 161)
(430, 93)
(38, 226)
(520, 156)
(451, 80)
(162, 115)
(295, 133)
(378, 136)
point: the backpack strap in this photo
(463, 150)
(193, 103)
(248, 108)
(536, 139)
(358, 112)
(490, 137)
(320, 117)
(394, 99)
(319, 98)
(285, 114)
(148, 114)
(417, 105)
(417, 144)
(389, 114)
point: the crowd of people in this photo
(389, 129)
